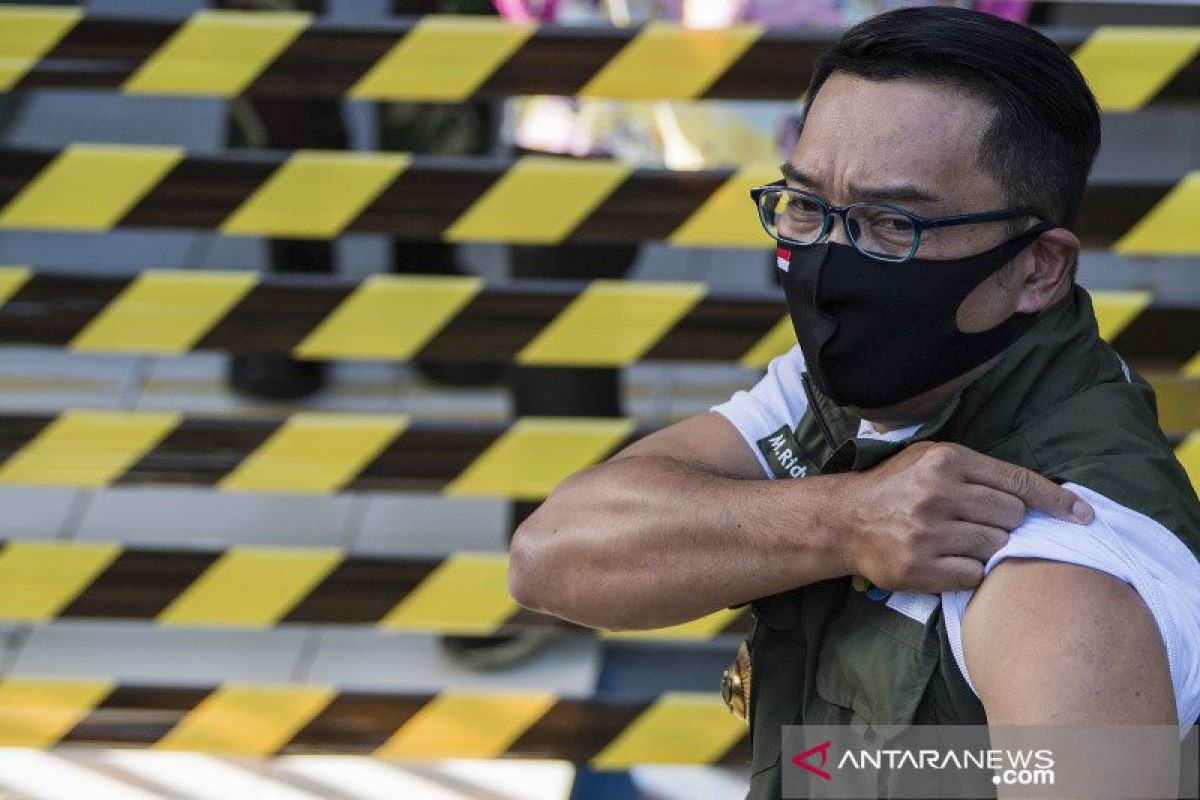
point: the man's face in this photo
(913, 145)
(910, 144)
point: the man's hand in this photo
(931, 516)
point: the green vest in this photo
(1059, 402)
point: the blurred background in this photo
(304, 306)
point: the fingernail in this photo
(1082, 512)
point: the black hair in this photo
(1045, 133)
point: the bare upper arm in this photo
(706, 441)
(1047, 642)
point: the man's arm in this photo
(681, 524)
(1049, 643)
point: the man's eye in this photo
(892, 223)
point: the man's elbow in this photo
(524, 566)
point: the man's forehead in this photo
(906, 132)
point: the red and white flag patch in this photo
(783, 258)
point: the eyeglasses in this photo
(878, 230)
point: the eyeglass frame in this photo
(920, 223)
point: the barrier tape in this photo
(400, 317)
(238, 719)
(262, 587)
(310, 452)
(530, 200)
(450, 59)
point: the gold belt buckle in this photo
(735, 684)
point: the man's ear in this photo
(1052, 257)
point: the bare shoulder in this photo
(706, 441)
(1050, 642)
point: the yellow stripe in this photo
(468, 592)
(37, 713)
(777, 341)
(26, 34)
(532, 456)
(680, 728)
(698, 629)
(315, 453)
(611, 323)
(1170, 228)
(466, 725)
(727, 218)
(89, 187)
(1115, 310)
(1192, 368)
(38, 579)
(11, 281)
(315, 195)
(164, 311)
(667, 61)
(217, 53)
(442, 59)
(389, 316)
(1188, 454)
(539, 200)
(247, 720)
(1126, 66)
(86, 448)
(252, 587)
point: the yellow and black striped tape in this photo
(308, 453)
(394, 317)
(531, 200)
(451, 59)
(311, 452)
(261, 587)
(236, 719)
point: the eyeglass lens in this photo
(876, 230)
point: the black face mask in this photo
(875, 334)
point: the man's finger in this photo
(954, 574)
(987, 506)
(1035, 491)
(978, 542)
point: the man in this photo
(950, 413)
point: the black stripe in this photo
(136, 716)
(98, 53)
(51, 309)
(17, 430)
(649, 204)
(424, 459)
(1160, 339)
(274, 318)
(322, 63)
(554, 61)
(1109, 210)
(139, 584)
(776, 66)
(361, 590)
(494, 326)
(428, 197)
(576, 729)
(200, 451)
(717, 330)
(355, 722)
(199, 193)
(17, 169)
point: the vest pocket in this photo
(777, 668)
(873, 668)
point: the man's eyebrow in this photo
(895, 193)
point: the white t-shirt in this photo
(1120, 541)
